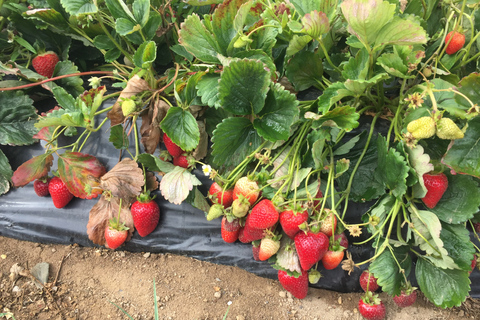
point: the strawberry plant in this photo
(297, 111)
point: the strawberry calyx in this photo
(115, 224)
(145, 197)
(371, 299)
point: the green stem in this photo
(320, 42)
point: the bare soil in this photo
(85, 283)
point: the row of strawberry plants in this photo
(291, 168)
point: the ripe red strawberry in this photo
(145, 214)
(298, 287)
(290, 220)
(182, 161)
(230, 230)
(371, 307)
(342, 240)
(457, 42)
(171, 146)
(436, 185)
(115, 234)
(216, 194)
(311, 247)
(328, 222)
(474, 263)
(61, 196)
(247, 188)
(368, 282)
(333, 257)
(45, 63)
(268, 247)
(405, 299)
(256, 250)
(248, 234)
(263, 215)
(476, 226)
(40, 186)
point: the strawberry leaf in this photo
(460, 201)
(6, 174)
(379, 210)
(278, 115)
(198, 40)
(463, 155)
(223, 25)
(100, 215)
(207, 88)
(118, 137)
(125, 180)
(243, 86)
(150, 129)
(61, 117)
(197, 200)
(344, 117)
(387, 271)
(469, 86)
(145, 54)
(153, 163)
(456, 239)
(81, 174)
(177, 184)
(445, 288)
(392, 169)
(420, 161)
(35, 168)
(401, 32)
(72, 84)
(45, 134)
(181, 127)
(233, 140)
(81, 7)
(17, 117)
(446, 99)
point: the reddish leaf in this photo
(46, 133)
(81, 173)
(105, 209)
(125, 180)
(150, 129)
(34, 168)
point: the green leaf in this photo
(197, 200)
(243, 86)
(393, 64)
(401, 32)
(345, 147)
(72, 84)
(153, 163)
(79, 7)
(182, 128)
(176, 185)
(344, 117)
(358, 87)
(367, 18)
(198, 40)
(446, 99)
(460, 201)
(364, 185)
(64, 99)
(306, 6)
(145, 54)
(379, 210)
(233, 140)
(81, 174)
(464, 153)
(6, 174)
(456, 239)
(141, 11)
(50, 16)
(257, 54)
(357, 67)
(35, 168)
(443, 287)
(207, 89)
(297, 43)
(470, 87)
(125, 26)
(61, 117)
(427, 237)
(17, 118)
(392, 169)
(112, 55)
(278, 115)
(241, 16)
(305, 70)
(334, 93)
(223, 24)
(118, 137)
(387, 271)
(199, 3)
(103, 42)
(315, 24)
(119, 9)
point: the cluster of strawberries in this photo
(250, 220)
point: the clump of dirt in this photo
(93, 284)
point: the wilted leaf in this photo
(150, 129)
(81, 173)
(35, 168)
(125, 180)
(177, 184)
(100, 215)
(134, 86)
(46, 133)
(202, 148)
(152, 182)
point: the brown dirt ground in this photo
(90, 280)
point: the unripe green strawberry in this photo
(216, 211)
(422, 128)
(240, 207)
(457, 42)
(448, 130)
(44, 64)
(128, 106)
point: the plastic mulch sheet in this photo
(182, 229)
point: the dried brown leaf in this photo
(202, 148)
(152, 182)
(125, 180)
(150, 129)
(105, 209)
(134, 86)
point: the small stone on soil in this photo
(217, 294)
